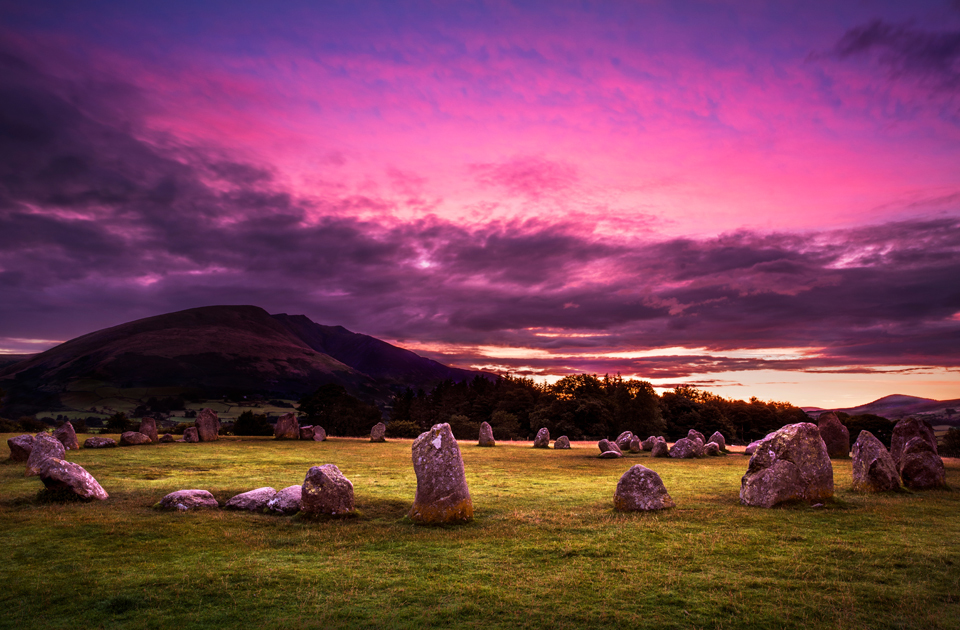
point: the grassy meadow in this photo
(545, 549)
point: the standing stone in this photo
(99, 442)
(306, 432)
(148, 426)
(378, 432)
(252, 501)
(607, 446)
(442, 493)
(208, 425)
(190, 435)
(543, 438)
(183, 500)
(685, 448)
(792, 464)
(287, 427)
(319, 435)
(286, 501)
(44, 447)
(20, 447)
(133, 438)
(486, 435)
(693, 433)
(717, 438)
(635, 445)
(834, 434)
(67, 436)
(648, 443)
(623, 440)
(906, 430)
(57, 474)
(711, 449)
(873, 468)
(920, 465)
(640, 490)
(660, 448)
(563, 442)
(326, 491)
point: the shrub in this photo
(463, 427)
(951, 443)
(79, 426)
(118, 423)
(403, 429)
(31, 424)
(8, 426)
(250, 423)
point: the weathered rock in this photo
(920, 466)
(693, 433)
(442, 493)
(906, 430)
(44, 447)
(639, 490)
(378, 432)
(717, 438)
(148, 426)
(698, 445)
(685, 448)
(563, 442)
(635, 445)
(319, 435)
(543, 438)
(306, 432)
(752, 447)
(253, 501)
(660, 448)
(67, 436)
(648, 443)
(287, 427)
(326, 491)
(286, 501)
(791, 464)
(166, 437)
(873, 468)
(486, 435)
(610, 455)
(208, 425)
(20, 447)
(57, 474)
(133, 438)
(711, 449)
(191, 435)
(99, 442)
(623, 440)
(606, 446)
(184, 500)
(834, 434)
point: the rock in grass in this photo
(306, 432)
(44, 447)
(694, 434)
(67, 436)
(133, 438)
(287, 427)
(635, 445)
(685, 448)
(873, 468)
(543, 438)
(442, 493)
(286, 501)
(660, 448)
(623, 440)
(148, 426)
(253, 501)
(640, 490)
(711, 449)
(834, 434)
(326, 491)
(191, 435)
(920, 466)
(610, 455)
(20, 447)
(486, 435)
(378, 432)
(99, 442)
(184, 500)
(58, 475)
(208, 425)
(607, 446)
(906, 430)
(563, 442)
(792, 464)
(648, 443)
(166, 437)
(319, 435)
(717, 438)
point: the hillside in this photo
(896, 406)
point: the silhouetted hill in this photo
(896, 406)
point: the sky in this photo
(754, 198)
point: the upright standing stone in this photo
(563, 442)
(639, 490)
(442, 493)
(873, 468)
(717, 438)
(648, 443)
(635, 445)
(148, 426)
(287, 427)
(190, 435)
(906, 430)
(378, 433)
(834, 434)
(623, 440)
(45, 446)
(606, 446)
(326, 491)
(660, 448)
(920, 465)
(67, 436)
(685, 448)
(319, 435)
(712, 449)
(486, 435)
(57, 474)
(543, 438)
(208, 425)
(693, 433)
(20, 447)
(789, 465)
(306, 432)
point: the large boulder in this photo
(648, 443)
(319, 434)
(660, 448)
(208, 425)
(20, 447)
(694, 434)
(99, 442)
(623, 440)
(287, 427)
(59, 475)
(326, 491)
(442, 493)
(685, 448)
(133, 438)
(791, 464)
(148, 426)
(635, 445)
(286, 501)
(607, 446)
(184, 500)
(639, 490)
(67, 436)
(920, 465)
(834, 434)
(873, 468)
(306, 432)
(563, 442)
(906, 430)
(711, 449)
(253, 501)
(45, 446)
(486, 435)
(543, 438)
(378, 432)
(717, 438)
(191, 435)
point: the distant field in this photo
(544, 551)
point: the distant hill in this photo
(222, 350)
(898, 406)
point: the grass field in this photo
(545, 549)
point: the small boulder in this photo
(717, 438)
(208, 425)
(184, 500)
(920, 465)
(166, 438)
(20, 447)
(623, 440)
(44, 447)
(834, 434)
(640, 490)
(253, 501)
(286, 501)
(711, 449)
(635, 445)
(319, 435)
(306, 432)
(606, 446)
(326, 491)
(685, 448)
(791, 464)
(67, 436)
(99, 442)
(563, 442)
(287, 427)
(191, 435)
(906, 430)
(148, 426)
(610, 455)
(693, 433)
(660, 448)
(442, 493)
(378, 432)
(873, 468)
(57, 474)
(648, 443)
(543, 438)
(486, 435)
(133, 438)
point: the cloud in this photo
(528, 176)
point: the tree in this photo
(250, 423)
(951, 443)
(118, 423)
(339, 413)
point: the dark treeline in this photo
(584, 407)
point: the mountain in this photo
(898, 406)
(218, 350)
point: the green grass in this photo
(545, 549)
